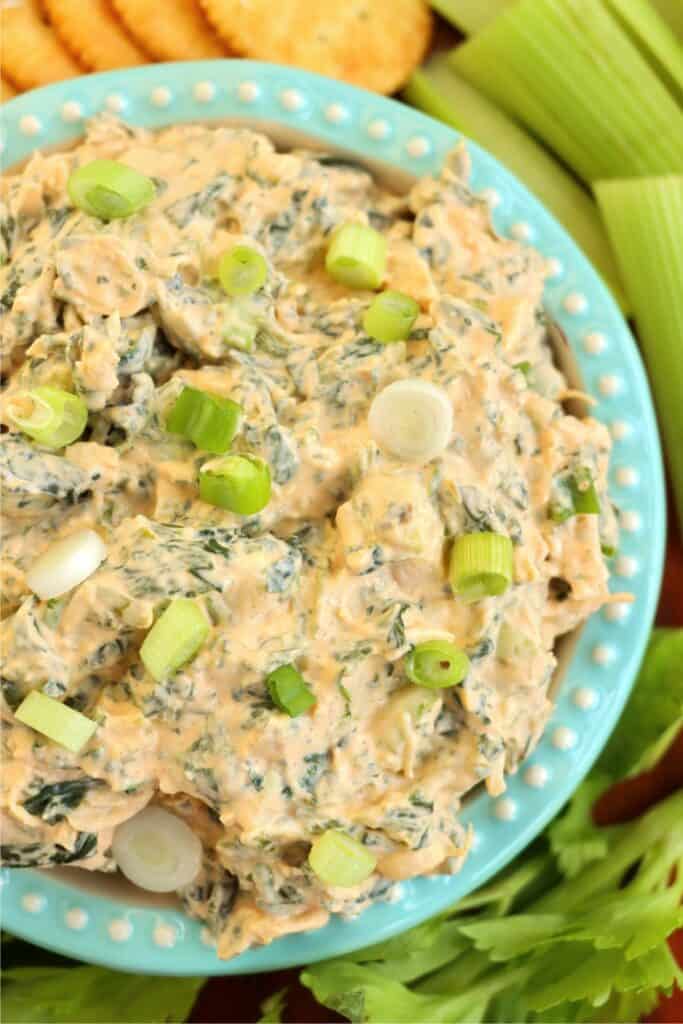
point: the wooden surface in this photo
(236, 1000)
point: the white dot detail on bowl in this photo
(505, 809)
(71, 111)
(291, 99)
(602, 655)
(33, 902)
(620, 429)
(248, 92)
(536, 776)
(120, 930)
(378, 129)
(554, 267)
(335, 113)
(165, 936)
(617, 611)
(161, 96)
(521, 230)
(30, 125)
(625, 565)
(417, 146)
(76, 919)
(563, 738)
(491, 196)
(204, 92)
(629, 521)
(115, 102)
(609, 385)
(594, 343)
(575, 303)
(585, 698)
(627, 476)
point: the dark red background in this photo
(236, 1000)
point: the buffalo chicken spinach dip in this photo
(293, 516)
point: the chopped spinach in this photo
(283, 573)
(54, 801)
(316, 766)
(42, 855)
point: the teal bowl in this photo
(76, 913)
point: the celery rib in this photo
(571, 71)
(439, 91)
(469, 16)
(671, 12)
(655, 40)
(644, 219)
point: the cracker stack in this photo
(375, 44)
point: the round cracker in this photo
(32, 55)
(372, 43)
(93, 34)
(174, 30)
(7, 91)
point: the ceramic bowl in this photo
(101, 920)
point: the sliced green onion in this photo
(242, 271)
(109, 190)
(65, 564)
(239, 328)
(644, 219)
(513, 645)
(55, 720)
(575, 495)
(50, 416)
(357, 256)
(157, 850)
(174, 638)
(438, 90)
(571, 72)
(412, 419)
(207, 420)
(289, 692)
(337, 859)
(584, 494)
(436, 664)
(481, 565)
(608, 550)
(406, 706)
(390, 317)
(240, 483)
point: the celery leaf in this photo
(80, 995)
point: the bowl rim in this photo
(157, 940)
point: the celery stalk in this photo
(671, 11)
(655, 40)
(438, 90)
(571, 72)
(469, 16)
(644, 220)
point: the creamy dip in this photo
(342, 573)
